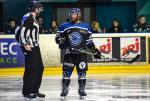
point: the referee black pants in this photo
(33, 71)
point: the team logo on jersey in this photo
(82, 65)
(75, 38)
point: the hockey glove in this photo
(97, 54)
(61, 43)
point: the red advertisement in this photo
(130, 47)
(105, 46)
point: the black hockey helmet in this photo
(75, 10)
(35, 4)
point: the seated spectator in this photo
(53, 27)
(96, 27)
(10, 28)
(1, 33)
(41, 25)
(115, 27)
(141, 26)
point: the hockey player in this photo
(70, 37)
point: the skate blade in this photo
(63, 98)
(40, 99)
(28, 99)
(82, 97)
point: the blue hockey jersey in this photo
(77, 35)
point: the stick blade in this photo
(135, 59)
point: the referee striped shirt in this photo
(29, 31)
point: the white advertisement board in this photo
(130, 47)
(105, 46)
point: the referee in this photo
(28, 37)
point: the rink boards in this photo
(111, 46)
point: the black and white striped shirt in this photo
(29, 31)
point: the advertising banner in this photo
(105, 46)
(10, 53)
(130, 47)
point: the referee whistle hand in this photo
(28, 47)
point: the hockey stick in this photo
(130, 62)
